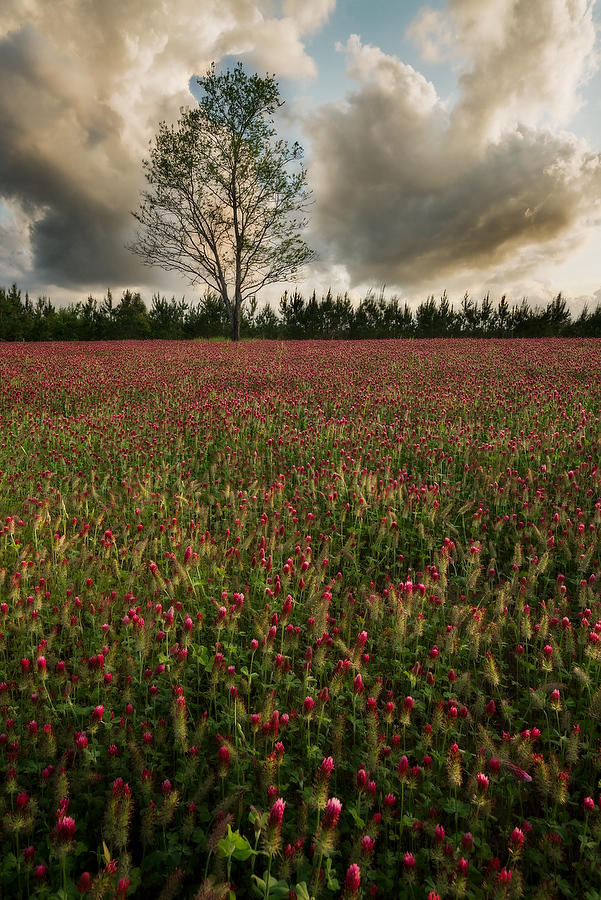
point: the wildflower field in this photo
(300, 620)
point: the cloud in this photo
(526, 61)
(518, 60)
(272, 44)
(15, 249)
(83, 86)
(278, 41)
(309, 15)
(432, 32)
(408, 191)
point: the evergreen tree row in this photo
(329, 317)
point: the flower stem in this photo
(267, 880)
(316, 877)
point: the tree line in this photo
(297, 317)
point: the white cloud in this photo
(433, 33)
(274, 45)
(409, 193)
(369, 65)
(309, 15)
(519, 60)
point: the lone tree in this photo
(223, 206)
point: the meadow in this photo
(305, 619)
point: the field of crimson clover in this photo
(300, 620)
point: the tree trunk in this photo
(235, 320)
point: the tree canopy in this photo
(226, 199)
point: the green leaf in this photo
(359, 822)
(302, 892)
(9, 860)
(454, 806)
(243, 853)
(225, 848)
(202, 654)
(234, 844)
(331, 880)
(239, 839)
(279, 890)
(258, 819)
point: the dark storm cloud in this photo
(61, 158)
(83, 86)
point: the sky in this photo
(450, 146)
